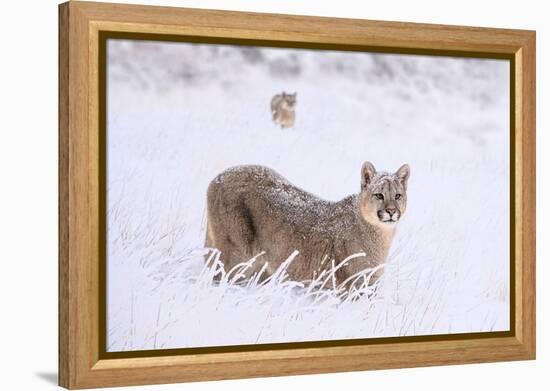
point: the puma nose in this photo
(391, 211)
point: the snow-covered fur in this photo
(253, 210)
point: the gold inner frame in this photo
(104, 35)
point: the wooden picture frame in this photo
(82, 364)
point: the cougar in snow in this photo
(253, 209)
(282, 109)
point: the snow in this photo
(180, 114)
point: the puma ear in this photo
(403, 174)
(367, 173)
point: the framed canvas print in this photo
(251, 195)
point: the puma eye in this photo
(379, 196)
(397, 196)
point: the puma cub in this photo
(282, 109)
(253, 209)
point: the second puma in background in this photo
(282, 109)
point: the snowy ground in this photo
(179, 114)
